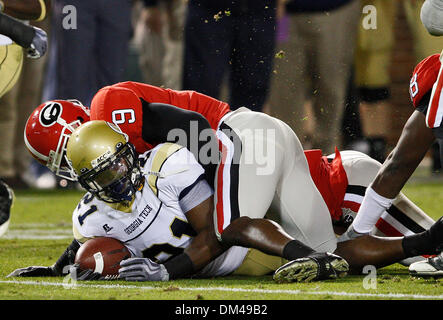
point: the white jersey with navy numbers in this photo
(155, 226)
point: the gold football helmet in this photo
(104, 162)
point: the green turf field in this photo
(40, 230)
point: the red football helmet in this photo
(47, 132)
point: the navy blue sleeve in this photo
(150, 3)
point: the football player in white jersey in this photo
(154, 209)
(163, 213)
(169, 220)
(340, 199)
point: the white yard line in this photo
(38, 231)
(264, 291)
(32, 236)
(39, 225)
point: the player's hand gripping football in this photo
(142, 269)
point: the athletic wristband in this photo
(180, 266)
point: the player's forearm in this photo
(26, 9)
(66, 259)
(392, 177)
(414, 143)
(16, 30)
(410, 150)
(388, 183)
(203, 249)
(58, 269)
(167, 123)
(180, 266)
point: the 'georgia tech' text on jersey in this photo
(155, 225)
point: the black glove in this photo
(59, 268)
(88, 274)
(34, 271)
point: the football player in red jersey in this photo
(336, 181)
(149, 115)
(390, 251)
(150, 123)
(421, 130)
(47, 132)
(125, 108)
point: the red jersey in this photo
(120, 104)
(330, 179)
(425, 77)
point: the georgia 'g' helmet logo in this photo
(50, 114)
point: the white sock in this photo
(431, 16)
(370, 211)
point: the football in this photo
(103, 255)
